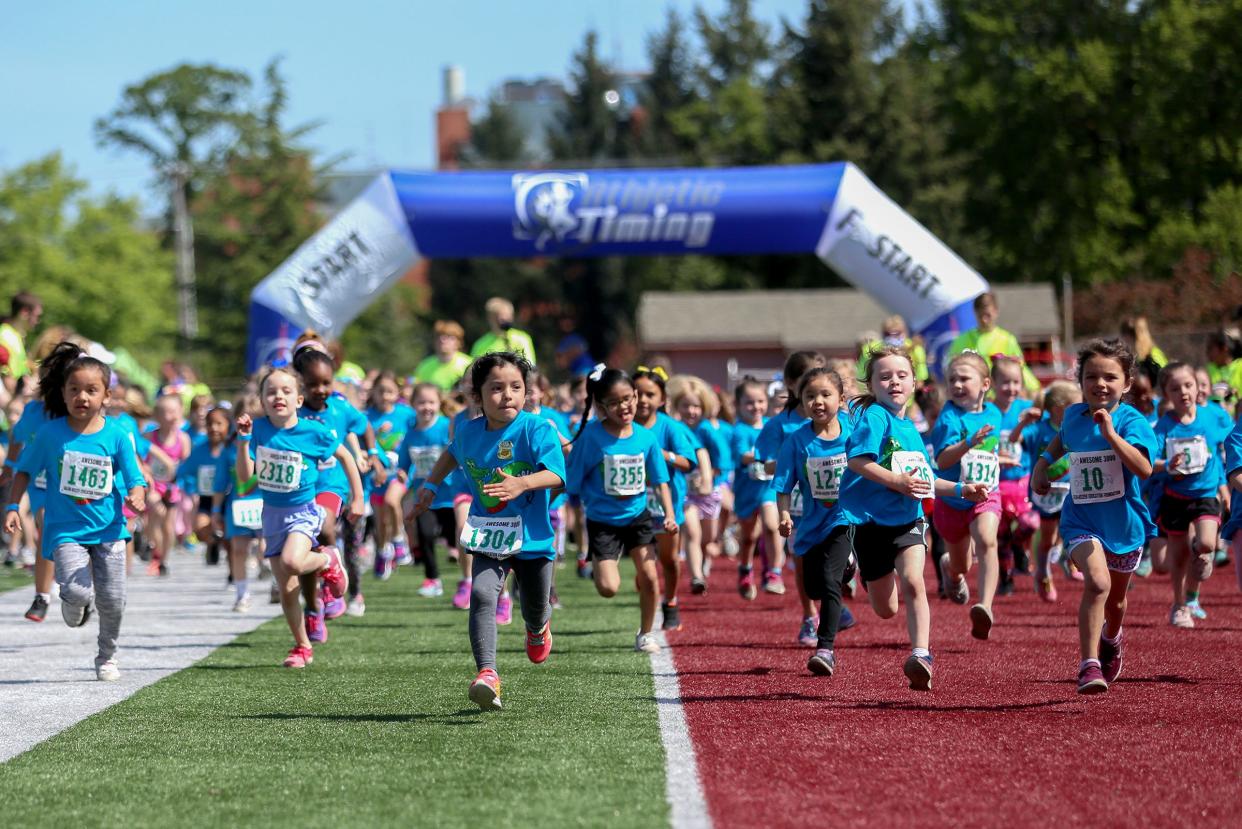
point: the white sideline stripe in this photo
(47, 674)
(684, 791)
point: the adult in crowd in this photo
(573, 355)
(502, 336)
(1150, 359)
(988, 338)
(448, 363)
(1224, 365)
(25, 309)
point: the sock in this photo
(1192, 596)
(922, 653)
(242, 586)
(1112, 640)
(47, 597)
(1087, 662)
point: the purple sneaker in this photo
(401, 552)
(823, 663)
(1091, 680)
(1110, 659)
(504, 611)
(333, 608)
(808, 633)
(461, 599)
(316, 630)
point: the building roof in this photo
(821, 318)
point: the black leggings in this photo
(823, 567)
(349, 537)
(432, 523)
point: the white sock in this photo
(243, 587)
(923, 653)
(1087, 662)
(47, 597)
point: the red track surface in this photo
(1003, 740)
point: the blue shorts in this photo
(231, 528)
(281, 522)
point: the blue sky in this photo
(369, 70)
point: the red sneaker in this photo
(333, 575)
(539, 645)
(299, 657)
(485, 690)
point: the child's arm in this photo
(1039, 475)
(346, 458)
(666, 501)
(705, 470)
(677, 461)
(907, 485)
(13, 517)
(444, 467)
(786, 526)
(954, 452)
(1132, 458)
(245, 463)
(510, 487)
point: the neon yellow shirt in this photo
(11, 339)
(1230, 373)
(445, 375)
(987, 343)
(512, 340)
(918, 356)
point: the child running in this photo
(887, 476)
(1018, 520)
(390, 418)
(512, 459)
(754, 497)
(237, 507)
(1059, 396)
(424, 443)
(1104, 521)
(694, 406)
(197, 475)
(612, 464)
(91, 468)
(169, 446)
(1188, 438)
(814, 459)
(965, 441)
(286, 456)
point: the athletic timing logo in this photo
(561, 210)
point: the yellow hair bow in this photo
(658, 371)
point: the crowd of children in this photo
(838, 478)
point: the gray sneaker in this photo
(980, 622)
(75, 616)
(106, 670)
(823, 663)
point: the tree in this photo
(494, 138)
(669, 88)
(588, 130)
(96, 270)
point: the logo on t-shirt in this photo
(483, 476)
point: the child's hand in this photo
(786, 526)
(913, 486)
(1031, 415)
(364, 463)
(507, 488)
(705, 487)
(217, 523)
(1039, 482)
(670, 525)
(979, 436)
(380, 474)
(357, 508)
(1174, 466)
(1104, 419)
(244, 425)
(422, 500)
(137, 499)
(12, 522)
(975, 492)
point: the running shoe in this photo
(1111, 658)
(585, 570)
(163, 569)
(672, 617)
(504, 611)
(698, 586)
(539, 645)
(316, 630)
(980, 622)
(401, 552)
(774, 583)
(431, 588)
(823, 663)
(335, 579)
(38, 609)
(1222, 556)
(357, 607)
(959, 591)
(383, 562)
(1046, 589)
(808, 632)
(106, 670)
(646, 643)
(1005, 587)
(242, 605)
(1091, 679)
(918, 669)
(746, 584)
(1196, 609)
(485, 690)
(1181, 618)
(153, 569)
(461, 599)
(1145, 566)
(1201, 566)
(299, 657)
(274, 596)
(847, 619)
(333, 608)
(75, 616)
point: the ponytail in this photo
(599, 382)
(54, 372)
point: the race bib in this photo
(1193, 452)
(1053, 500)
(279, 471)
(206, 480)
(625, 474)
(248, 513)
(1011, 451)
(161, 470)
(85, 476)
(824, 475)
(915, 463)
(422, 459)
(1096, 477)
(980, 467)
(758, 471)
(653, 505)
(492, 536)
(795, 502)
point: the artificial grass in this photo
(14, 577)
(379, 731)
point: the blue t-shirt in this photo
(752, 485)
(716, 440)
(877, 435)
(1204, 434)
(390, 428)
(33, 417)
(418, 454)
(341, 419)
(955, 425)
(816, 466)
(1105, 498)
(86, 477)
(287, 460)
(522, 447)
(197, 474)
(1011, 445)
(777, 428)
(612, 474)
(561, 424)
(674, 436)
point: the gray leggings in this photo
(95, 573)
(534, 578)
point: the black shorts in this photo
(204, 503)
(1178, 513)
(877, 546)
(609, 542)
(825, 563)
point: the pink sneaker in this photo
(808, 633)
(299, 657)
(316, 630)
(461, 599)
(332, 608)
(504, 611)
(334, 577)
(774, 583)
(539, 645)
(485, 690)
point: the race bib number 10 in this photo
(279, 471)
(1096, 477)
(86, 476)
(491, 536)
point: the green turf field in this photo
(12, 577)
(378, 731)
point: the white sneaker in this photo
(646, 643)
(242, 605)
(357, 608)
(107, 670)
(431, 588)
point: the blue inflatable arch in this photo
(832, 210)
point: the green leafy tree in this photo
(589, 127)
(495, 138)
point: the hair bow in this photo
(597, 372)
(658, 371)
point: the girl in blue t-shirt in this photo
(965, 441)
(886, 479)
(286, 454)
(1188, 441)
(91, 470)
(693, 406)
(196, 475)
(1018, 521)
(425, 442)
(237, 507)
(1233, 477)
(1104, 521)
(813, 459)
(754, 497)
(390, 419)
(512, 460)
(1059, 396)
(613, 462)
